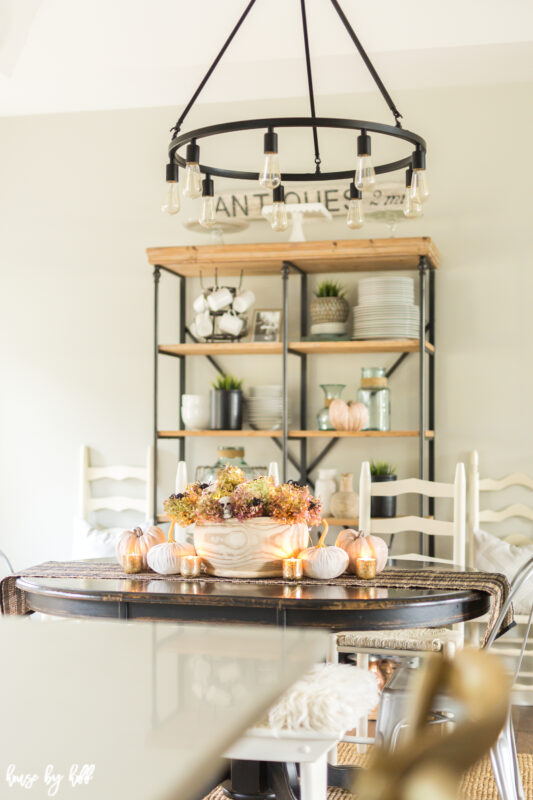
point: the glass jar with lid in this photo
(375, 394)
(228, 455)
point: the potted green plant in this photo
(380, 471)
(226, 403)
(329, 304)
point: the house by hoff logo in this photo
(77, 775)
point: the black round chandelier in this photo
(361, 174)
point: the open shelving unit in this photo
(300, 259)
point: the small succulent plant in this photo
(380, 468)
(227, 383)
(329, 289)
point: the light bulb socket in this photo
(364, 144)
(408, 176)
(172, 173)
(278, 194)
(208, 187)
(271, 142)
(192, 154)
(355, 193)
(419, 159)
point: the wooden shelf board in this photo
(351, 523)
(348, 255)
(357, 434)
(296, 434)
(310, 348)
(222, 349)
(360, 346)
(233, 434)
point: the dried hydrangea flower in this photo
(292, 503)
(181, 508)
(252, 499)
(229, 478)
(209, 508)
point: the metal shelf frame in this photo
(426, 377)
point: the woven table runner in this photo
(13, 601)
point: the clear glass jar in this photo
(228, 455)
(331, 392)
(374, 393)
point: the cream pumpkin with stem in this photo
(358, 544)
(322, 561)
(165, 558)
(138, 542)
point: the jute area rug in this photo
(477, 784)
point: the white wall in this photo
(79, 197)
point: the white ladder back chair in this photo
(88, 474)
(454, 530)
(476, 515)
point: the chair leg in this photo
(362, 725)
(333, 658)
(314, 779)
(505, 764)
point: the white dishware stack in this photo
(265, 407)
(195, 411)
(386, 309)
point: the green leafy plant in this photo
(329, 289)
(227, 383)
(380, 468)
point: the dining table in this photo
(408, 594)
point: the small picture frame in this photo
(266, 325)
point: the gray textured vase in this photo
(329, 309)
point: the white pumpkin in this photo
(324, 562)
(357, 544)
(348, 416)
(138, 542)
(165, 558)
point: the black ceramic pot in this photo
(383, 506)
(226, 409)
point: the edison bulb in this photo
(207, 217)
(280, 221)
(419, 190)
(364, 173)
(193, 181)
(171, 198)
(355, 217)
(411, 208)
(270, 177)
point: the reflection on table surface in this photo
(151, 706)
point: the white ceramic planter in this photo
(250, 549)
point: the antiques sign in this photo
(249, 205)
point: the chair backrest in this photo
(454, 530)
(88, 474)
(476, 485)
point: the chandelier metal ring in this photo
(296, 122)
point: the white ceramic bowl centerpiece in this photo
(244, 529)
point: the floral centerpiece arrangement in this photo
(245, 528)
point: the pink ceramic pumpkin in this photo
(355, 543)
(348, 416)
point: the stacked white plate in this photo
(265, 407)
(386, 309)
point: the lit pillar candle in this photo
(191, 566)
(292, 569)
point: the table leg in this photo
(248, 782)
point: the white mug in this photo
(244, 301)
(200, 304)
(229, 323)
(219, 299)
(204, 324)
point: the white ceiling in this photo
(73, 55)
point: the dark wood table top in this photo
(334, 607)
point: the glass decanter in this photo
(331, 392)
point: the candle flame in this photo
(366, 549)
